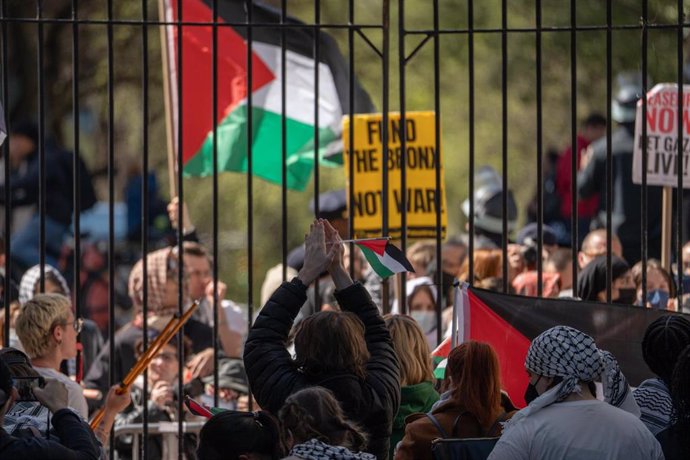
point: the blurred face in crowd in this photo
(50, 287)
(596, 248)
(422, 308)
(624, 281)
(452, 258)
(199, 274)
(20, 147)
(65, 336)
(656, 281)
(165, 365)
(422, 300)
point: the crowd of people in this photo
(343, 382)
(327, 369)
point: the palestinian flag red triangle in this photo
(234, 108)
(509, 323)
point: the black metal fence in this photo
(423, 27)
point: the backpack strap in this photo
(493, 431)
(438, 426)
(457, 422)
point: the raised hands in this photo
(317, 256)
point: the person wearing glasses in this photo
(48, 332)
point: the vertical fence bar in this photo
(351, 131)
(111, 200)
(540, 156)
(7, 196)
(574, 147)
(504, 140)
(76, 176)
(437, 178)
(317, 181)
(385, 293)
(145, 207)
(180, 219)
(402, 295)
(679, 159)
(250, 183)
(644, 199)
(216, 259)
(283, 137)
(41, 150)
(470, 107)
(609, 161)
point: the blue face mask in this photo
(658, 299)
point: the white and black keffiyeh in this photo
(317, 450)
(27, 285)
(564, 352)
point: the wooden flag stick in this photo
(169, 331)
(167, 99)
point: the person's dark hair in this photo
(191, 248)
(592, 279)
(187, 352)
(18, 363)
(595, 119)
(680, 393)
(663, 342)
(314, 413)
(330, 342)
(5, 383)
(229, 434)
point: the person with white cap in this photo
(564, 419)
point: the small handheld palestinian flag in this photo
(383, 257)
(440, 358)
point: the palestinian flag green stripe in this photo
(375, 262)
(268, 162)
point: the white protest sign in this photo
(662, 136)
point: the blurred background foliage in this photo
(453, 72)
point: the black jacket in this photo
(24, 189)
(273, 376)
(626, 214)
(78, 441)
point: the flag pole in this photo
(167, 98)
(357, 240)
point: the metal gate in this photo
(504, 81)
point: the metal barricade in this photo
(168, 431)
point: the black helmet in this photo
(488, 203)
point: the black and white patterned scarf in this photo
(565, 352)
(317, 450)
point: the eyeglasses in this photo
(78, 324)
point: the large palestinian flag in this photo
(509, 323)
(266, 101)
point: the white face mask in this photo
(426, 319)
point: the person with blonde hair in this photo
(48, 332)
(417, 393)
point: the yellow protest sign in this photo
(368, 166)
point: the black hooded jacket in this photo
(273, 376)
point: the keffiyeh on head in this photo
(160, 265)
(27, 286)
(565, 352)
